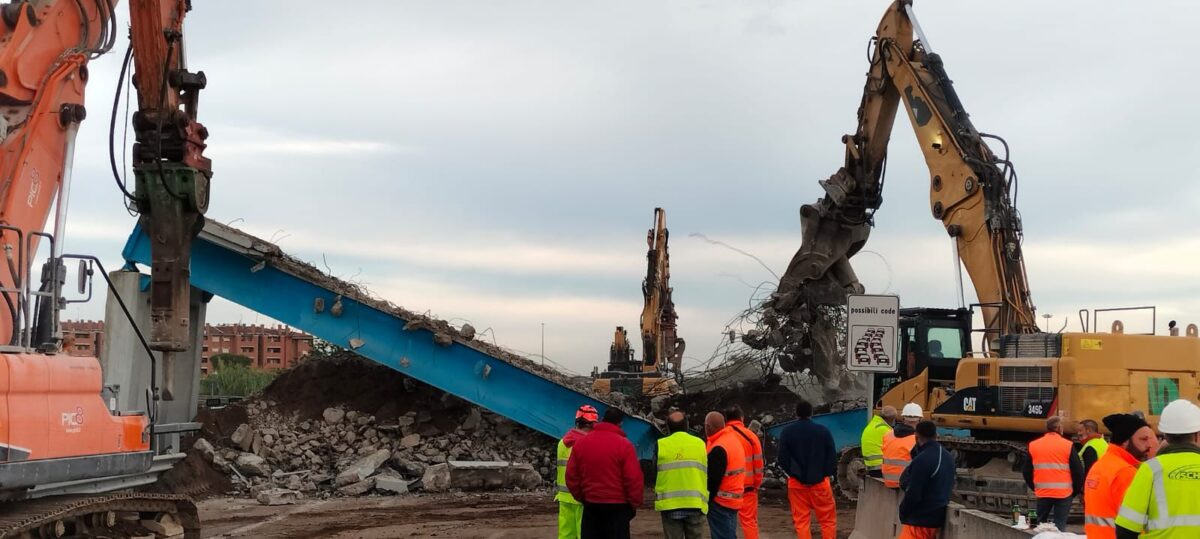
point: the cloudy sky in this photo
(499, 162)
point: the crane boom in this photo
(971, 193)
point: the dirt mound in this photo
(194, 477)
(346, 379)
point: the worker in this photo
(681, 483)
(1093, 443)
(603, 473)
(1163, 500)
(726, 476)
(898, 444)
(872, 440)
(752, 446)
(1133, 442)
(807, 455)
(1054, 472)
(570, 511)
(927, 482)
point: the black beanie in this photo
(1122, 426)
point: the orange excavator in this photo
(58, 435)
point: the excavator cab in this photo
(934, 339)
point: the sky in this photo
(499, 162)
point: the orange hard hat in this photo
(587, 412)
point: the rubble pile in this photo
(343, 425)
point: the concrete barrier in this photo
(878, 517)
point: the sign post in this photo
(872, 324)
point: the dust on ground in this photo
(453, 516)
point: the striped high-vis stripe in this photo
(1163, 501)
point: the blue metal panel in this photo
(846, 427)
(457, 369)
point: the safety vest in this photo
(1164, 498)
(682, 480)
(872, 443)
(733, 484)
(1098, 444)
(1103, 490)
(560, 484)
(897, 455)
(1051, 456)
(755, 467)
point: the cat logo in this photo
(969, 404)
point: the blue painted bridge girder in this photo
(227, 263)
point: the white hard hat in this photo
(1180, 417)
(912, 409)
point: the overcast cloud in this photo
(498, 162)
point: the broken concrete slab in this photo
(243, 437)
(334, 416)
(479, 475)
(472, 421)
(252, 465)
(412, 440)
(362, 468)
(391, 485)
(206, 450)
(278, 496)
(358, 489)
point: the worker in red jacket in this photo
(603, 473)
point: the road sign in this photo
(872, 325)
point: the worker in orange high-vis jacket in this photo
(807, 454)
(752, 446)
(1133, 442)
(726, 477)
(898, 445)
(1054, 472)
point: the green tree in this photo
(220, 361)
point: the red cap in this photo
(588, 413)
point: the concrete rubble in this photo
(281, 451)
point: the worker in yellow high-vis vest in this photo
(570, 511)
(1092, 444)
(1163, 501)
(681, 481)
(871, 441)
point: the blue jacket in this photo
(927, 483)
(806, 452)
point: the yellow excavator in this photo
(659, 370)
(998, 398)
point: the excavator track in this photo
(995, 486)
(77, 515)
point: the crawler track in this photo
(54, 517)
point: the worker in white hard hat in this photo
(898, 444)
(1162, 502)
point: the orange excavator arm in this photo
(44, 49)
(971, 193)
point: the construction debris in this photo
(342, 425)
(474, 475)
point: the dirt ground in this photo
(455, 516)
